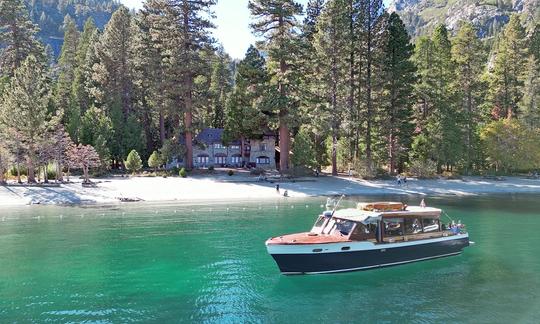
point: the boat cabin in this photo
(386, 223)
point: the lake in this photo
(208, 263)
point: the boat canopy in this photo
(370, 217)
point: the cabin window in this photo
(202, 159)
(236, 159)
(219, 146)
(393, 227)
(234, 147)
(263, 160)
(430, 225)
(363, 232)
(344, 227)
(413, 225)
(319, 224)
(221, 159)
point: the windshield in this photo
(344, 227)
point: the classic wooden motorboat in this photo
(370, 236)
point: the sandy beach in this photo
(238, 187)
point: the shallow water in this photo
(208, 263)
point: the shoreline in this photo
(218, 188)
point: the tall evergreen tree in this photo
(399, 77)
(67, 64)
(24, 110)
(276, 22)
(330, 44)
(468, 53)
(220, 87)
(507, 75)
(245, 117)
(114, 78)
(530, 104)
(17, 37)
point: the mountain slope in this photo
(49, 16)
(421, 16)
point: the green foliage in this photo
(303, 151)
(508, 73)
(511, 145)
(154, 161)
(183, 173)
(133, 162)
(17, 37)
(423, 168)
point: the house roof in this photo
(209, 136)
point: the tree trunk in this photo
(284, 135)
(368, 91)
(188, 116)
(86, 178)
(18, 172)
(162, 135)
(31, 170)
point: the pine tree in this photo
(154, 161)
(245, 117)
(399, 75)
(133, 162)
(372, 24)
(468, 53)
(17, 37)
(276, 22)
(114, 78)
(530, 105)
(67, 64)
(330, 43)
(82, 82)
(24, 109)
(507, 76)
(220, 87)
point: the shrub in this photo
(182, 173)
(424, 169)
(154, 161)
(257, 171)
(362, 170)
(230, 172)
(211, 168)
(51, 171)
(133, 162)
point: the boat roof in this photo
(364, 216)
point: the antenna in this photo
(337, 204)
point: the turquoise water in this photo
(208, 263)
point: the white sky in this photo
(232, 24)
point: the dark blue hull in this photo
(367, 259)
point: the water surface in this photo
(208, 263)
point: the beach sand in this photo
(241, 187)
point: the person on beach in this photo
(277, 188)
(405, 181)
(398, 178)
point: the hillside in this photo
(488, 16)
(49, 16)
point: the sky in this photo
(232, 24)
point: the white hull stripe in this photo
(354, 246)
(374, 266)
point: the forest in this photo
(340, 82)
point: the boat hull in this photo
(330, 258)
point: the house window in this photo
(263, 160)
(235, 147)
(220, 159)
(236, 159)
(202, 159)
(218, 146)
(262, 147)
